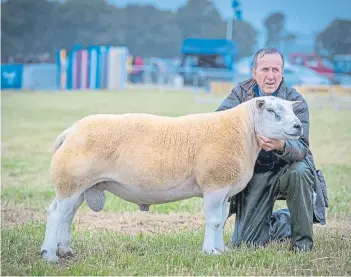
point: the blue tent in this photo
(200, 46)
(208, 47)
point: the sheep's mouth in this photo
(293, 135)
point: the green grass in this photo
(30, 124)
(105, 253)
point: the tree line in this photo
(45, 26)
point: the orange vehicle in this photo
(314, 62)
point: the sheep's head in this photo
(275, 119)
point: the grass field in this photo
(166, 241)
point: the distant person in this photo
(284, 169)
(137, 71)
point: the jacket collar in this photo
(248, 88)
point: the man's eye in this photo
(270, 110)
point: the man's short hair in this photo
(268, 50)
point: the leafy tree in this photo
(334, 39)
(277, 35)
(275, 24)
(245, 36)
(31, 27)
(26, 27)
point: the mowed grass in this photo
(30, 124)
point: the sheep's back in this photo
(148, 149)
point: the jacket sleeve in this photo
(297, 150)
(232, 99)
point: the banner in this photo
(11, 76)
(41, 76)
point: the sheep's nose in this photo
(298, 126)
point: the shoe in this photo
(300, 248)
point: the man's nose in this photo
(270, 74)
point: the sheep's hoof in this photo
(64, 252)
(226, 249)
(144, 207)
(212, 252)
(50, 257)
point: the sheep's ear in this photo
(295, 103)
(260, 103)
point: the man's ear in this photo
(260, 103)
(253, 72)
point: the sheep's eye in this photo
(270, 110)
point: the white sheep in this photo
(149, 159)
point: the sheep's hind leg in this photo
(58, 213)
(213, 205)
(47, 253)
(64, 249)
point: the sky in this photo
(303, 16)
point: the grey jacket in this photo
(295, 150)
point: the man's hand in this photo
(270, 144)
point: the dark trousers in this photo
(254, 206)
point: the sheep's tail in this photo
(59, 140)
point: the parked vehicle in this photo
(342, 66)
(301, 75)
(161, 70)
(314, 62)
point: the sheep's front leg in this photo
(213, 205)
(219, 232)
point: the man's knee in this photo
(300, 169)
(299, 176)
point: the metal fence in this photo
(319, 92)
(181, 77)
(215, 80)
(210, 80)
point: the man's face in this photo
(268, 72)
